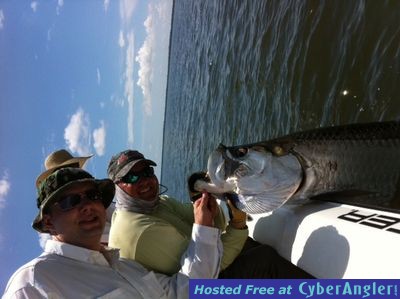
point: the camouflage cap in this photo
(121, 163)
(63, 179)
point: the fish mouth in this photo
(215, 167)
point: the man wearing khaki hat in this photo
(62, 158)
(72, 206)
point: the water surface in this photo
(245, 71)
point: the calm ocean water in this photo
(245, 71)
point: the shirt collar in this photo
(107, 256)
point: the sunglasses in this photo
(134, 177)
(70, 201)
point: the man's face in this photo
(78, 217)
(146, 188)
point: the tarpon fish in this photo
(357, 163)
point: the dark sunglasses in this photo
(70, 201)
(134, 177)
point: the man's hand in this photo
(205, 210)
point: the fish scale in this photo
(353, 168)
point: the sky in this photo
(88, 76)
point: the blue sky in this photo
(88, 76)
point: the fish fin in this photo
(233, 197)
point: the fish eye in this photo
(239, 152)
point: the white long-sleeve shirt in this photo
(68, 271)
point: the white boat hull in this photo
(331, 240)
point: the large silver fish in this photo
(357, 163)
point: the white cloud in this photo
(126, 9)
(77, 133)
(158, 19)
(60, 4)
(106, 5)
(129, 83)
(98, 76)
(34, 6)
(99, 137)
(144, 58)
(1, 19)
(121, 40)
(4, 189)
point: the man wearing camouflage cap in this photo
(154, 229)
(72, 207)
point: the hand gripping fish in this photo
(356, 163)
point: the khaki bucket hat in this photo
(58, 159)
(62, 180)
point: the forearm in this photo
(233, 241)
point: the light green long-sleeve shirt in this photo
(158, 240)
